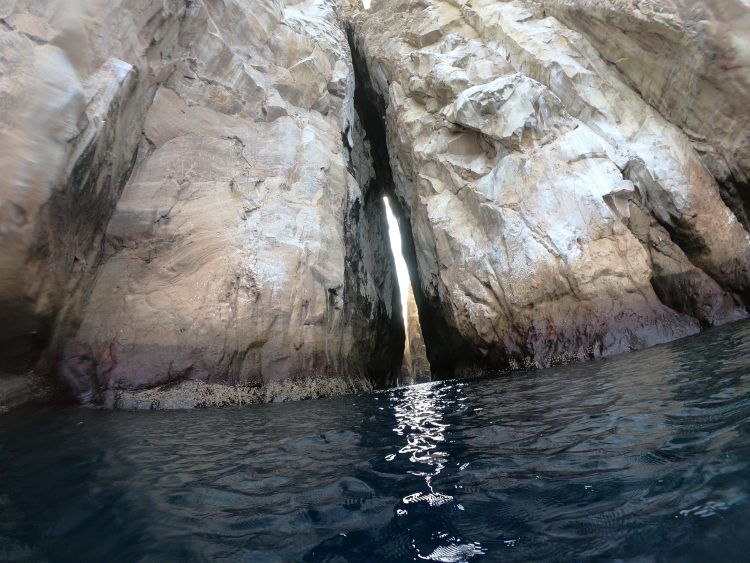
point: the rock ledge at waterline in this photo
(191, 200)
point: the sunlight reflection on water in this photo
(642, 457)
(420, 419)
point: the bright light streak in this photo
(402, 272)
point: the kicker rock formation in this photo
(691, 61)
(190, 207)
(240, 252)
(76, 81)
(555, 214)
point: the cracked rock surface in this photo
(556, 215)
(76, 81)
(190, 203)
(238, 253)
(234, 254)
(689, 60)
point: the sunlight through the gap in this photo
(402, 272)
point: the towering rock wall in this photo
(76, 81)
(555, 214)
(242, 252)
(190, 198)
(690, 61)
(239, 252)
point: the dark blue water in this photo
(645, 456)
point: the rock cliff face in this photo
(556, 215)
(76, 81)
(238, 253)
(242, 251)
(690, 61)
(191, 208)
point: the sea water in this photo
(643, 457)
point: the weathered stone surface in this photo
(416, 366)
(190, 203)
(239, 253)
(76, 80)
(521, 174)
(689, 60)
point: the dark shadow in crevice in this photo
(682, 232)
(447, 351)
(382, 358)
(367, 219)
(736, 196)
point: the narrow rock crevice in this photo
(368, 247)
(367, 228)
(447, 352)
(735, 194)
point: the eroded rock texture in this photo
(416, 367)
(556, 214)
(690, 61)
(190, 203)
(76, 81)
(240, 251)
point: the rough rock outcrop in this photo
(191, 190)
(690, 61)
(240, 252)
(555, 214)
(76, 81)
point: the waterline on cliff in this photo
(642, 456)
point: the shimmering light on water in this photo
(642, 457)
(420, 422)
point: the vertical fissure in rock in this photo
(416, 366)
(381, 205)
(446, 352)
(368, 249)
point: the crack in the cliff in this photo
(735, 193)
(446, 350)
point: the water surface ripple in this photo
(645, 456)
